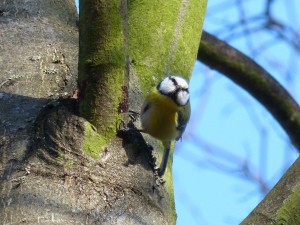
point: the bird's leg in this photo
(164, 161)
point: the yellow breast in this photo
(160, 117)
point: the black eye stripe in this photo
(174, 81)
(182, 89)
(177, 86)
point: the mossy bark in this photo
(163, 36)
(126, 47)
(101, 64)
(39, 53)
(46, 177)
(162, 39)
(282, 204)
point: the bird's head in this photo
(176, 88)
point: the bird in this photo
(165, 113)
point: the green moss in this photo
(60, 156)
(102, 63)
(101, 34)
(164, 37)
(92, 141)
(289, 213)
(169, 183)
(164, 42)
(69, 164)
(189, 39)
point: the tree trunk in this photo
(38, 63)
(126, 47)
(56, 167)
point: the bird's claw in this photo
(133, 115)
(159, 179)
(121, 125)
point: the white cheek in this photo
(167, 86)
(183, 97)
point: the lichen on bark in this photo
(281, 205)
(126, 47)
(289, 212)
(101, 64)
(93, 142)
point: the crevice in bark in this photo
(55, 174)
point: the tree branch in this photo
(281, 205)
(258, 82)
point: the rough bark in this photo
(55, 167)
(46, 177)
(282, 204)
(126, 47)
(38, 63)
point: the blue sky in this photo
(230, 130)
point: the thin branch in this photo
(258, 82)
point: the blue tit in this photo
(165, 113)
